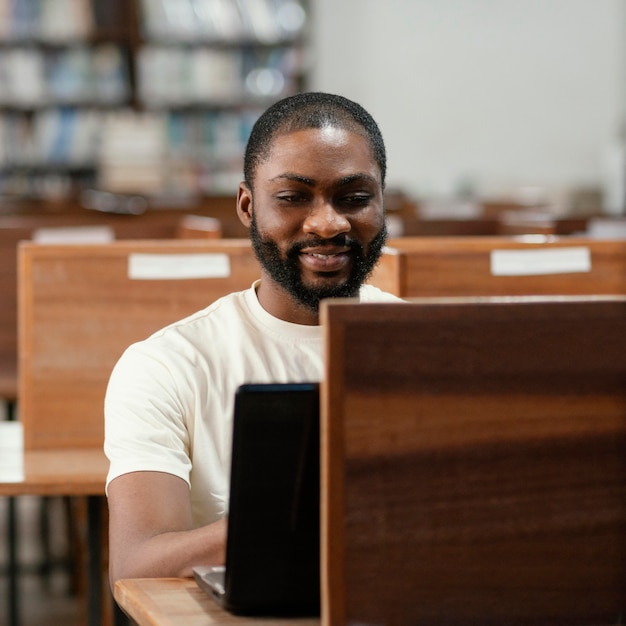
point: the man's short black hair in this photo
(310, 110)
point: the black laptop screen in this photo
(273, 550)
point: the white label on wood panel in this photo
(11, 452)
(178, 266)
(536, 262)
(74, 234)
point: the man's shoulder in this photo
(229, 307)
(369, 293)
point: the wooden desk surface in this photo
(58, 472)
(68, 472)
(175, 601)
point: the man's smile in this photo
(328, 259)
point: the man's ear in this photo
(244, 204)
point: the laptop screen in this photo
(273, 550)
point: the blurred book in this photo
(80, 74)
(160, 76)
(24, 71)
(4, 157)
(68, 74)
(259, 20)
(177, 20)
(226, 19)
(265, 21)
(18, 145)
(153, 19)
(5, 20)
(65, 20)
(110, 75)
(52, 130)
(164, 19)
(84, 148)
(132, 153)
(24, 18)
(46, 20)
(180, 76)
(214, 75)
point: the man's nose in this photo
(325, 221)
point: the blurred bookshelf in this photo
(139, 97)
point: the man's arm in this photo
(150, 532)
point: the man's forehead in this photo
(290, 151)
(328, 132)
(333, 137)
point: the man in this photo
(312, 197)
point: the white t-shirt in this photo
(169, 402)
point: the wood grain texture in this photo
(179, 601)
(474, 462)
(79, 310)
(72, 471)
(20, 226)
(461, 266)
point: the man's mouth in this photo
(325, 260)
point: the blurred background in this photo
(493, 97)
(501, 100)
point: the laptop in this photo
(273, 548)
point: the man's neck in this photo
(282, 305)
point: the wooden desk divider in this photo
(501, 266)
(80, 306)
(10, 234)
(14, 229)
(199, 227)
(474, 462)
(161, 224)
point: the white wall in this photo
(505, 93)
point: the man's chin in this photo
(318, 292)
(325, 282)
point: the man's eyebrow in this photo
(297, 178)
(346, 180)
(358, 178)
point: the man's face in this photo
(317, 222)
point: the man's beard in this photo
(286, 271)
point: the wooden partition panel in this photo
(450, 227)
(81, 306)
(499, 266)
(474, 462)
(154, 224)
(9, 238)
(199, 227)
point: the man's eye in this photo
(291, 197)
(357, 199)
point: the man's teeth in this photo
(322, 255)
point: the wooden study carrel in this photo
(474, 462)
(413, 267)
(80, 306)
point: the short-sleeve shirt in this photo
(170, 398)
